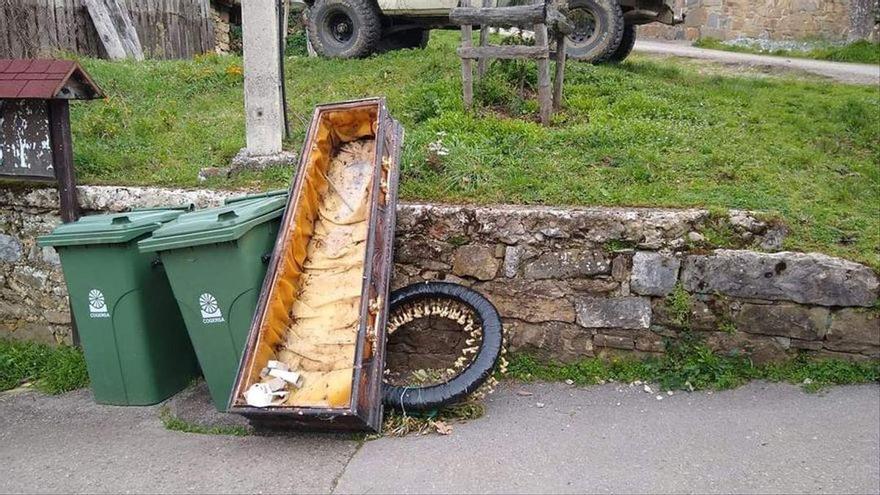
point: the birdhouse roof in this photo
(46, 79)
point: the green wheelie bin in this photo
(216, 261)
(133, 337)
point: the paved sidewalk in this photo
(612, 438)
(838, 71)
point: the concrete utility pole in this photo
(263, 92)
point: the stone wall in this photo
(221, 20)
(830, 20)
(568, 283)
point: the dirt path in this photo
(838, 71)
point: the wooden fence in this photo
(41, 28)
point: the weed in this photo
(617, 245)
(174, 423)
(690, 365)
(458, 240)
(53, 370)
(815, 375)
(398, 424)
(679, 303)
(65, 370)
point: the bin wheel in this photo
(480, 368)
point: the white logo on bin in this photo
(210, 309)
(97, 304)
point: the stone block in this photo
(803, 278)
(589, 286)
(57, 317)
(806, 345)
(614, 341)
(784, 320)
(530, 301)
(27, 280)
(567, 263)
(50, 256)
(854, 330)
(648, 341)
(615, 312)
(620, 268)
(759, 348)
(475, 261)
(550, 341)
(654, 274)
(10, 248)
(512, 258)
(424, 253)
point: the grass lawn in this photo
(644, 133)
(863, 51)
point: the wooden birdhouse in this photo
(35, 140)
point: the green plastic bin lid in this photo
(267, 194)
(223, 224)
(115, 228)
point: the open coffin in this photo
(322, 310)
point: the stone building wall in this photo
(221, 20)
(569, 283)
(830, 20)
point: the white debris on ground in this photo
(274, 388)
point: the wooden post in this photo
(467, 66)
(62, 161)
(560, 71)
(484, 41)
(62, 158)
(544, 97)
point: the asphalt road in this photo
(762, 438)
(838, 71)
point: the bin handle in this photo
(227, 215)
(266, 258)
(187, 207)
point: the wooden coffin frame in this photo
(364, 412)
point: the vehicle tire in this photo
(344, 28)
(626, 45)
(412, 38)
(480, 368)
(598, 29)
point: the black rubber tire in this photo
(344, 28)
(413, 38)
(433, 397)
(626, 45)
(595, 46)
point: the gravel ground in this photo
(838, 71)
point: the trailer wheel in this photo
(344, 28)
(626, 45)
(469, 306)
(598, 29)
